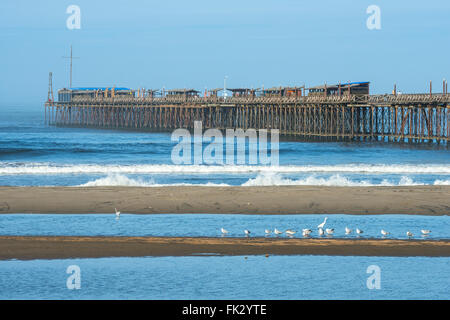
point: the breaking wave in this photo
(332, 181)
(264, 179)
(124, 181)
(442, 182)
(45, 168)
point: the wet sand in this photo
(38, 247)
(420, 200)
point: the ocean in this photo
(34, 154)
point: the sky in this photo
(195, 44)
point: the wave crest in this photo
(264, 179)
(45, 168)
(120, 180)
(332, 181)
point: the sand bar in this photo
(62, 247)
(422, 200)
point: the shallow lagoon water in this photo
(235, 277)
(208, 225)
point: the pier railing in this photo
(372, 99)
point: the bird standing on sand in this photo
(425, 232)
(290, 232)
(409, 234)
(306, 232)
(347, 230)
(247, 232)
(277, 232)
(117, 213)
(224, 232)
(321, 233)
(329, 231)
(323, 223)
(385, 233)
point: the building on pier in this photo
(70, 94)
(183, 93)
(153, 93)
(214, 92)
(243, 92)
(351, 88)
(283, 92)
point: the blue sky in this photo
(195, 44)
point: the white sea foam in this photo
(263, 179)
(124, 181)
(278, 180)
(119, 180)
(47, 169)
(334, 180)
(442, 182)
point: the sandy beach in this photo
(38, 247)
(418, 200)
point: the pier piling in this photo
(413, 118)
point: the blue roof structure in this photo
(97, 88)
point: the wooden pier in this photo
(412, 118)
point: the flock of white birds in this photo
(321, 230)
(307, 232)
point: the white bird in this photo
(117, 213)
(321, 232)
(306, 232)
(359, 231)
(384, 233)
(425, 232)
(347, 230)
(224, 231)
(329, 231)
(247, 232)
(323, 223)
(409, 234)
(277, 232)
(290, 232)
(267, 231)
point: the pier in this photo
(327, 113)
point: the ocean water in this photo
(209, 225)
(32, 153)
(236, 277)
